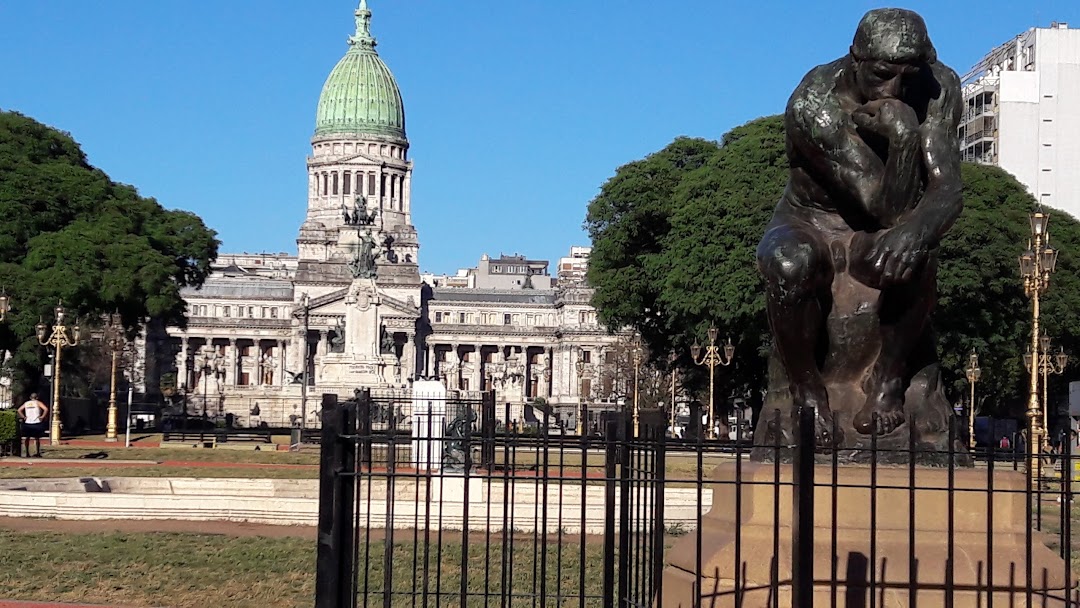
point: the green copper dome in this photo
(361, 97)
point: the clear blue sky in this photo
(517, 110)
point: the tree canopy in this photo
(674, 238)
(71, 233)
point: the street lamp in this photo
(5, 304)
(114, 340)
(1036, 266)
(204, 362)
(305, 303)
(580, 366)
(672, 358)
(973, 374)
(711, 359)
(636, 351)
(1046, 364)
(57, 337)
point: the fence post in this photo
(363, 425)
(611, 458)
(328, 579)
(802, 525)
(487, 428)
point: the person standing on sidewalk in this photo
(33, 414)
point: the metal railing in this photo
(486, 518)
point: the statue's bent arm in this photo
(942, 200)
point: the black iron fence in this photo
(458, 512)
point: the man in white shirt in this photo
(33, 414)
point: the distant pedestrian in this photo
(33, 414)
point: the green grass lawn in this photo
(192, 570)
(99, 469)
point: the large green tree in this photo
(674, 238)
(71, 233)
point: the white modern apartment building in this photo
(1022, 113)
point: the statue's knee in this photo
(792, 271)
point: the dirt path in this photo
(227, 528)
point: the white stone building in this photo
(1022, 113)
(351, 309)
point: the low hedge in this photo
(8, 428)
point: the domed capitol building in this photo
(352, 308)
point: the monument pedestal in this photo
(908, 569)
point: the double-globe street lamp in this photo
(113, 336)
(1036, 266)
(973, 373)
(1046, 364)
(208, 360)
(711, 359)
(59, 339)
(636, 352)
(582, 412)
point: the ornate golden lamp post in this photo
(1036, 266)
(58, 338)
(712, 359)
(973, 374)
(1046, 364)
(636, 351)
(114, 340)
(673, 357)
(5, 304)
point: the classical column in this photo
(408, 356)
(230, 363)
(379, 194)
(475, 382)
(323, 342)
(279, 374)
(550, 352)
(455, 366)
(182, 369)
(406, 196)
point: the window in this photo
(370, 183)
(586, 387)
(335, 182)
(382, 185)
(346, 183)
(586, 356)
(273, 313)
(506, 319)
(583, 317)
(359, 183)
(227, 311)
(438, 317)
(266, 312)
(251, 312)
(325, 184)
(461, 317)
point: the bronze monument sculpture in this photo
(850, 256)
(850, 260)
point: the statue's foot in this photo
(828, 433)
(881, 415)
(826, 430)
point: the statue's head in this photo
(891, 44)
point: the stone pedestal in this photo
(908, 569)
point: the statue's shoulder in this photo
(814, 108)
(946, 78)
(946, 99)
